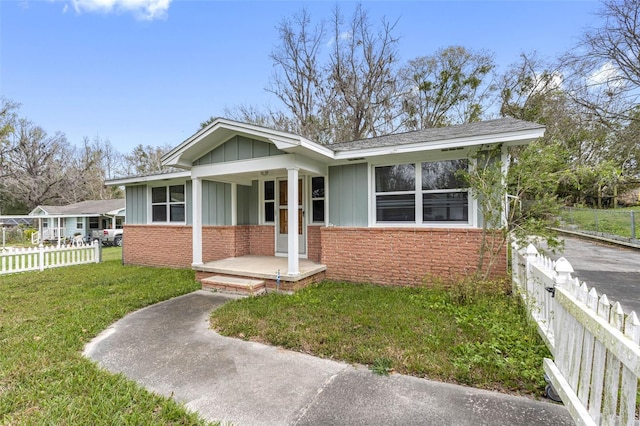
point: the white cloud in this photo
(65, 8)
(345, 35)
(607, 74)
(142, 9)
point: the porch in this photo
(248, 271)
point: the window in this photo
(317, 199)
(269, 201)
(168, 204)
(396, 193)
(94, 223)
(79, 223)
(443, 199)
(434, 187)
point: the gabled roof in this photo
(441, 134)
(83, 208)
(507, 131)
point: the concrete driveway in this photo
(170, 349)
(612, 270)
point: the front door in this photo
(282, 219)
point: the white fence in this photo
(595, 346)
(15, 260)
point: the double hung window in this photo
(422, 192)
(168, 204)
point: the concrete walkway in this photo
(170, 349)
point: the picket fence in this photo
(14, 260)
(595, 346)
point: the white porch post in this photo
(234, 204)
(59, 233)
(196, 222)
(292, 218)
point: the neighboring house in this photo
(56, 223)
(388, 210)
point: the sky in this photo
(150, 71)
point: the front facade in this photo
(388, 210)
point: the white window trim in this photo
(150, 204)
(419, 223)
(311, 199)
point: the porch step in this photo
(234, 285)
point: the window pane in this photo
(177, 193)
(268, 212)
(445, 207)
(396, 178)
(318, 210)
(94, 223)
(159, 195)
(317, 187)
(269, 190)
(396, 208)
(159, 213)
(177, 212)
(443, 174)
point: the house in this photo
(56, 223)
(264, 204)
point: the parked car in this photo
(108, 237)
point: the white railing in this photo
(15, 260)
(594, 344)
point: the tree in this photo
(145, 159)
(515, 206)
(36, 166)
(450, 87)
(298, 79)
(8, 118)
(361, 93)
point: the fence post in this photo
(595, 214)
(97, 251)
(41, 256)
(564, 269)
(633, 225)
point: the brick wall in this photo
(157, 245)
(314, 243)
(401, 256)
(218, 242)
(170, 245)
(261, 240)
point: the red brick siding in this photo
(261, 240)
(218, 242)
(399, 256)
(157, 245)
(314, 243)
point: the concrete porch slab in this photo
(264, 268)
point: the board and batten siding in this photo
(238, 148)
(348, 195)
(216, 203)
(247, 210)
(136, 202)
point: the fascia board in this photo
(150, 178)
(511, 138)
(282, 140)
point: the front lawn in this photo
(47, 317)
(484, 342)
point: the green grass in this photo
(608, 221)
(484, 342)
(47, 317)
